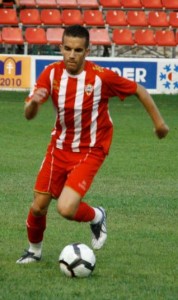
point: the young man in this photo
(80, 139)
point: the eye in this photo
(67, 48)
(79, 50)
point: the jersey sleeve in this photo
(43, 81)
(119, 86)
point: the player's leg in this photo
(36, 224)
(71, 206)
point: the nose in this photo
(72, 53)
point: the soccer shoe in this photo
(99, 232)
(28, 257)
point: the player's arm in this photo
(161, 129)
(32, 106)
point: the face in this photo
(74, 52)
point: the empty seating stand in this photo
(51, 16)
(30, 16)
(54, 35)
(72, 16)
(8, 16)
(107, 4)
(125, 22)
(116, 18)
(93, 18)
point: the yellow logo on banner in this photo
(15, 72)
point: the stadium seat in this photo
(51, 16)
(173, 19)
(88, 3)
(99, 36)
(71, 16)
(46, 3)
(12, 35)
(145, 37)
(149, 4)
(131, 3)
(170, 4)
(67, 3)
(158, 19)
(93, 18)
(165, 38)
(30, 16)
(137, 18)
(8, 16)
(123, 36)
(0, 37)
(110, 3)
(27, 3)
(116, 18)
(35, 36)
(54, 35)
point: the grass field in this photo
(138, 186)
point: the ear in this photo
(61, 48)
(87, 52)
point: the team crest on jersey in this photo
(88, 89)
(98, 68)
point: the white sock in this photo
(36, 248)
(98, 216)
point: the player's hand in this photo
(39, 94)
(161, 131)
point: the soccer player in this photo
(81, 137)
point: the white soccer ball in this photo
(77, 260)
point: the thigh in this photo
(83, 172)
(52, 174)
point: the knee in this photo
(40, 205)
(38, 210)
(65, 211)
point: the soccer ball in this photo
(77, 260)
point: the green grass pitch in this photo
(138, 186)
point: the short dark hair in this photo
(77, 31)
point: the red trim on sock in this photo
(85, 213)
(35, 227)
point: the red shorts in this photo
(74, 169)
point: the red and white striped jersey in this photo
(81, 101)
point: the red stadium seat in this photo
(99, 36)
(27, 3)
(123, 37)
(93, 18)
(46, 3)
(116, 18)
(137, 18)
(110, 3)
(173, 19)
(12, 35)
(72, 16)
(165, 38)
(170, 4)
(35, 36)
(51, 16)
(158, 19)
(54, 35)
(145, 37)
(67, 3)
(88, 3)
(30, 16)
(8, 16)
(152, 4)
(131, 3)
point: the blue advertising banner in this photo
(142, 72)
(158, 76)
